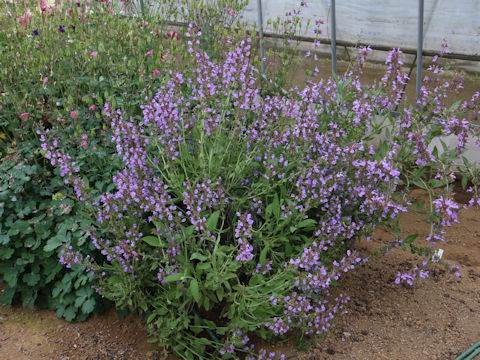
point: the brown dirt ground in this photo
(437, 318)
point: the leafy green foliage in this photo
(34, 226)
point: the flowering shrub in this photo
(218, 208)
(234, 213)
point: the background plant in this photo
(63, 90)
(282, 55)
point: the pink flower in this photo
(149, 53)
(230, 11)
(92, 108)
(156, 72)
(73, 114)
(43, 5)
(173, 35)
(84, 143)
(94, 54)
(24, 115)
(84, 136)
(45, 80)
(24, 20)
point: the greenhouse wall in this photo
(387, 23)
(390, 23)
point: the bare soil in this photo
(373, 73)
(436, 318)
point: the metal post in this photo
(333, 23)
(260, 33)
(142, 8)
(419, 47)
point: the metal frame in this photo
(260, 34)
(333, 40)
(333, 24)
(419, 47)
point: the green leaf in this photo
(263, 255)
(4, 239)
(410, 239)
(276, 206)
(122, 313)
(221, 330)
(194, 290)
(7, 296)
(31, 279)
(6, 253)
(28, 298)
(419, 204)
(198, 256)
(9, 274)
(52, 271)
(288, 249)
(212, 221)
(20, 226)
(88, 306)
(69, 313)
(152, 240)
(255, 279)
(420, 184)
(80, 300)
(60, 310)
(115, 279)
(151, 317)
(204, 266)
(220, 293)
(466, 162)
(56, 290)
(455, 105)
(174, 277)
(206, 302)
(43, 227)
(435, 183)
(188, 230)
(464, 182)
(26, 258)
(307, 223)
(54, 242)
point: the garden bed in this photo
(436, 318)
(223, 209)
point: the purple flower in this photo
(297, 180)
(61, 28)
